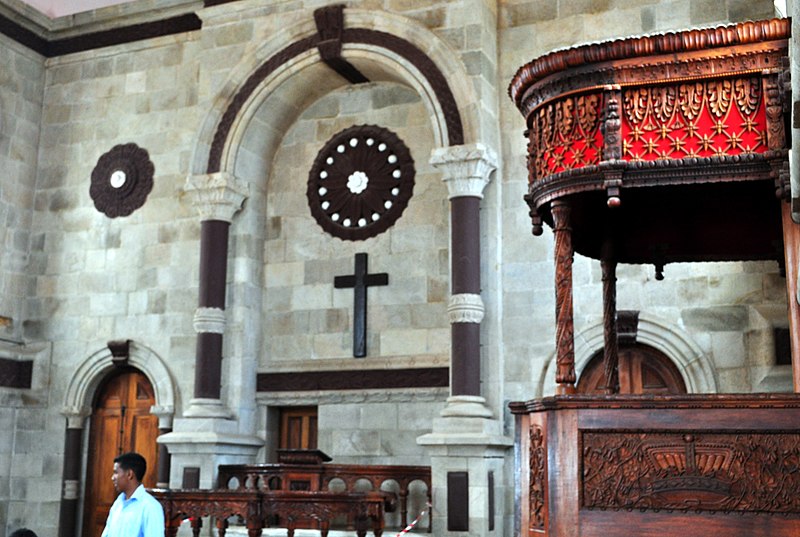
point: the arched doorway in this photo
(121, 421)
(642, 370)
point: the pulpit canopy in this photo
(668, 148)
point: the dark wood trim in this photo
(16, 373)
(23, 36)
(369, 379)
(330, 23)
(94, 40)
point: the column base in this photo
(204, 438)
(465, 439)
(207, 408)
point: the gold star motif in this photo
(637, 133)
(749, 124)
(719, 152)
(651, 145)
(677, 143)
(691, 128)
(706, 141)
(719, 126)
(734, 140)
(665, 131)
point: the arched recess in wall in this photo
(695, 368)
(91, 372)
(383, 46)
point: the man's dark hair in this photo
(133, 461)
(23, 532)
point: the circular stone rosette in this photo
(121, 180)
(360, 182)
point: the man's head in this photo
(23, 532)
(129, 469)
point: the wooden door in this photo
(121, 422)
(642, 369)
(298, 428)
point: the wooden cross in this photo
(359, 282)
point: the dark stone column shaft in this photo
(465, 270)
(68, 515)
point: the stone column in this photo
(217, 197)
(466, 445)
(71, 484)
(207, 434)
(165, 415)
(465, 170)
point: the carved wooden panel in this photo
(691, 470)
(700, 118)
(537, 493)
(565, 134)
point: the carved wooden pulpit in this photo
(655, 150)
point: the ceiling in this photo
(61, 8)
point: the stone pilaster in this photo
(207, 435)
(466, 445)
(217, 197)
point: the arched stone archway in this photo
(695, 368)
(386, 46)
(91, 372)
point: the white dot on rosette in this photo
(395, 191)
(353, 142)
(396, 174)
(381, 147)
(387, 204)
(329, 161)
(346, 222)
(340, 148)
(392, 159)
(370, 141)
(335, 217)
(323, 174)
(325, 205)
(362, 222)
(323, 191)
(375, 217)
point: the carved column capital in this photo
(466, 169)
(216, 196)
(465, 308)
(75, 415)
(211, 320)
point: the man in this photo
(135, 513)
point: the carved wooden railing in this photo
(268, 477)
(294, 509)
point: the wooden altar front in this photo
(656, 150)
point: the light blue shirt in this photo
(138, 516)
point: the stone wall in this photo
(90, 279)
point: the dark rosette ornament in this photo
(361, 182)
(121, 180)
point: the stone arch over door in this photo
(90, 374)
(695, 368)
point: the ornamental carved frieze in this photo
(755, 472)
(538, 478)
(701, 118)
(566, 135)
